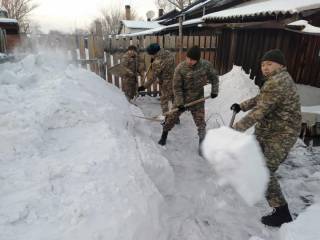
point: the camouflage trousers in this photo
(275, 151)
(129, 87)
(198, 114)
(166, 96)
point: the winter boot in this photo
(163, 138)
(279, 216)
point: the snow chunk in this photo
(238, 161)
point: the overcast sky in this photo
(66, 15)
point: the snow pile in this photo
(70, 164)
(305, 227)
(237, 159)
(235, 87)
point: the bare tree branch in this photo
(111, 18)
(169, 4)
(20, 10)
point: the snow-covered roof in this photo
(161, 28)
(140, 24)
(264, 7)
(308, 28)
(197, 6)
(8, 20)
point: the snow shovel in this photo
(187, 105)
(232, 118)
(174, 110)
(144, 78)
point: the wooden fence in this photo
(3, 41)
(302, 53)
(115, 47)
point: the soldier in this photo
(162, 69)
(277, 115)
(131, 66)
(190, 76)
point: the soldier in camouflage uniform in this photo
(277, 115)
(190, 76)
(130, 62)
(162, 69)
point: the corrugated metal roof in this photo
(264, 8)
(140, 24)
(162, 28)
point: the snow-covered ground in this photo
(76, 164)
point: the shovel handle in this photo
(232, 118)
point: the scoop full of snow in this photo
(237, 160)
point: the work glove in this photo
(181, 108)
(213, 95)
(235, 107)
(141, 89)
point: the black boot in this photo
(163, 138)
(279, 216)
(178, 121)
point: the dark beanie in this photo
(153, 48)
(132, 48)
(194, 53)
(274, 55)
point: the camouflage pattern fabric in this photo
(131, 64)
(198, 114)
(276, 111)
(163, 69)
(188, 83)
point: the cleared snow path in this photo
(200, 209)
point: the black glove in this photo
(181, 108)
(213, 95)
(152, 59)
(235, 107)
(141, 89)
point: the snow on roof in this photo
(161, 28)
(264, 7)
(140, 24)
(308, 28)
(8, 20)
(197, 6)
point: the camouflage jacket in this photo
(188, 81)
(162, 68)
(276, 110)
(131, 64)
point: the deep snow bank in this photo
(70, 164)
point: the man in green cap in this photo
(276, 114)
(190, 76)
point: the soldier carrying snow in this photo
(190, 76)
(277, 115)
(162, 69)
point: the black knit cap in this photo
(132, 48)
(194, 53)
(274, 55)
(153, 48)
